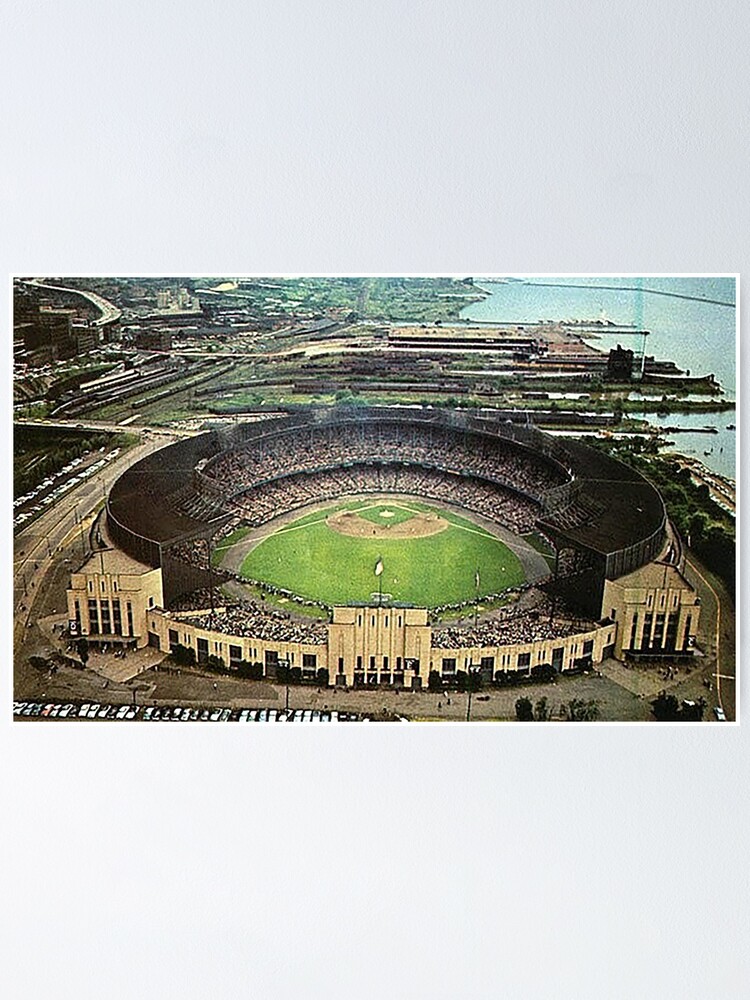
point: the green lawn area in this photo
(386, 514)
(308, 558)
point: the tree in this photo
(461, 680)
(295, 675)
(524, 710)
(541, 712)
(282, 673)
(435, 682)
(665, 707)
(322, 677)
(184, 656)
(82, 648)
(693, 711)
(578, 710)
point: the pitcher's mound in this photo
(347, 522)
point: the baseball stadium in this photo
(375, 545)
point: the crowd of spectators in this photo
(320, 448)
(247, 618)
(196, 600)
(513, 510)
(509, 626)
(194, 552)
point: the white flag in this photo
(379, 567)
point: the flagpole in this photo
(476, 596)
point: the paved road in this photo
(109, 312)
(718, 620)
(35, 547)
(104, 425)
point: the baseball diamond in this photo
(381, 516)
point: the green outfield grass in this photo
(310, 559)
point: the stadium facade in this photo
(618, 585)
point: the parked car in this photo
(719, 713)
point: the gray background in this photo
(378, 861)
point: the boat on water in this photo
(731, 427)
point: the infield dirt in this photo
(348, 522)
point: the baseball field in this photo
(426, 556)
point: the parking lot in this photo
(96, 712)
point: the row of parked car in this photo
(177, 713)
(64, 485)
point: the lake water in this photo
(691, 321)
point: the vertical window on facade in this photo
(104, 611)
(93, 617)
(686, 633)
(129, 607)
(385, 663)
(78, 615)
(359, 663)
(116, 617)
(659, 630)
(634, 632)
(647, 623)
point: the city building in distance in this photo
(374, 498)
